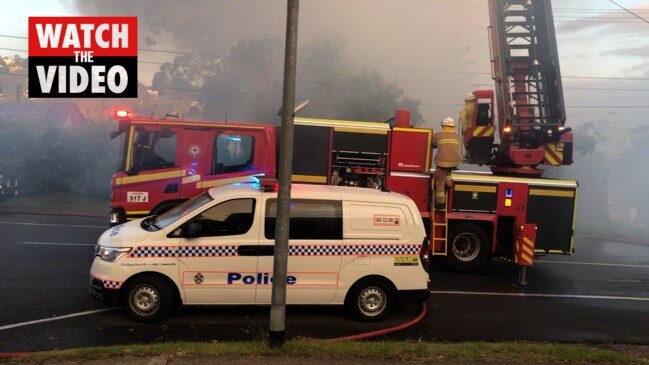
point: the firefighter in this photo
(447, 159)
(467, 112)
(466, 115)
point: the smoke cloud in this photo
(436, 51)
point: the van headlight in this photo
(111, 254)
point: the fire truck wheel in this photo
(370, 300)
(147, 299)
(467, 246)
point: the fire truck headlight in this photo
(112, 254)
(114, 218)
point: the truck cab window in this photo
(154, 149)
(232, 153)
(233, 217)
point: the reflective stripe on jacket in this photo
(448, 149)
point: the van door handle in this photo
(256, 250)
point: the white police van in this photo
(362, 248)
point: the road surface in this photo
(599, 295)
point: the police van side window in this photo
(232, 153)
(310, 219)
(233, 217)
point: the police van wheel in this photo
(467, 247)
(147, 299)
(370, 300)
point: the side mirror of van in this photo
(193, 230)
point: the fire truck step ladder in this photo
(439, 230)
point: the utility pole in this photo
(277, 332)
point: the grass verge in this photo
(521, 352)
(56, 203)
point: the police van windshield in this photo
(165, 219)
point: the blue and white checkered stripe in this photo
(109, 284)
(185, 251)
(148, 251)
(293, 250)
(207, 251)
(352, 250)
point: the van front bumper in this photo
(98, 291)
(413, 296)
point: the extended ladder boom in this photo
(531, 110)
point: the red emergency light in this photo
(122, 114)
(269, 184)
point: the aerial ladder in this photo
(515, 131)
(530, 108)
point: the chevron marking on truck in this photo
(554, 153)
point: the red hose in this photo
(386, 331)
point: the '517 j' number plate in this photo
(137, 196)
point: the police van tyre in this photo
(370, 300)
(147, 299)
(468, 246)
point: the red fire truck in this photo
(512, 213)
(167, 161)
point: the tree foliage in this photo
(247, 83)
(48, 157)
(13, 83)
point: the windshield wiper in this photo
(153, 223)
(149, 222)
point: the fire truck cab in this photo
(165, 162)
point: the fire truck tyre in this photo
(468, 247)
(147, 299)
(370, 300)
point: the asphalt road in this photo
(599, 295)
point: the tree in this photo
(48, 157)
(13, 78)
(246, 85)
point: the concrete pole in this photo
(285, 170)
